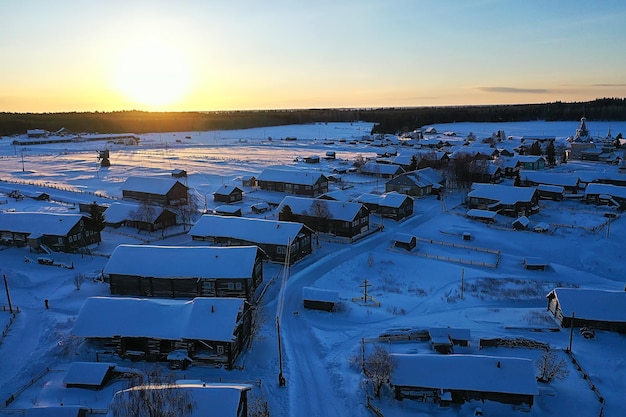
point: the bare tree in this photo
(144, 214)
(189, 211)
(378, 367)
(321, 213)
(551, 367)
(152, 394)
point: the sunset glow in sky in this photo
(88, 55)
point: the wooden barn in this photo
(453, 379)
(339, 218)
(607, 194)
(211, 330)
(581, 307)
(92, 375)
(45, 232)
(163, 191)
(319, 299)
(185, 271)
(273, 237)
(228, 194)
(291, 181)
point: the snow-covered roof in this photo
(197, 319)
(529, 158)
(226, 189)
(53, 224)
(549, 178)
(87, 373)
(391, 199)
(291, 176)
(523, 220)
(551, 188)
(592, 304)
(119, 212)
(151, 185)
(481, 214)
(339, 210)
(56, 411)
(608, 189)
(460, 372)
(271, 232)
(382, 169)
(339, 195)
(503, 193)
(403, 237)
(318, 294)
(209, 399)
(206, 262)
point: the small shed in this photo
(405, 241)
(88, 374)
(521, 223)
(227, 210)
(248, 181)
(482, 215)
(534, 263)
(541, 227)
(258, 208)
(179, 173)
(319, 299)
(313, 159)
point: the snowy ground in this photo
(321, 350)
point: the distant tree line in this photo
(386, 120)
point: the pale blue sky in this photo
(71, 55)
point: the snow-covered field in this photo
(321, 350)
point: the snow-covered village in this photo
(460, 269)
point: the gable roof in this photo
(87, 373)
(459, 372)
(503, 193)
(151, 185)
(608, 189)
(271, 232)
(549, 178)
(291, 176)
(391, 199)
(53, 224)
(190, 261)
(226, 189)
(339, 210)
(209, 399)
(197, 319)
(591, 304)
(382, 169)
(119, 212)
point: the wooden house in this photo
(45, 232)
(163, 191)
(485, 171)
(339, 218)
(185, 271)
(391, 205)
(248, 181)
(531, 162)
(381, 170)
(521, 223)
(453, 378)
(272, 236)
(486, 216)
(319, 299)
(582, 307)
(212, 330)
(507, 200)
(569, 182)
(227, 210)
(291, 181)
(139, 216)
(179, 173)
(228, 194)
(606, 194)
(417, 183)
(550, 192)
(209, 399)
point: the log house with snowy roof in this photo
(580, 307)
(291, 181)
(507, 200)
(164, 191)
(392, 205)
(340, 218)
(211, 330)
(228, 194)
(273, 237)
(185, 271)
(47, 231)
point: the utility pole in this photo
(571, 333)
(365, 285)
(462, 282)
(6, 286)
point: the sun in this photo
(152, 73)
